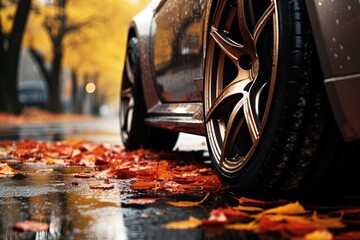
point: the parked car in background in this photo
(33, 93)
(273, 86)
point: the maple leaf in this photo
(188, 203)
(190, 223)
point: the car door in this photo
(176, 49)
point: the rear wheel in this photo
(134, 132)
(262, 102)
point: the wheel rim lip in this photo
(215, 129)
(127, 100)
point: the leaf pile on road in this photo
(164, 172)
(277, 220)
(148, 170)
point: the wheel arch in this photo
(140, 28)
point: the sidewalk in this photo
(34, 115)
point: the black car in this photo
(273, 85)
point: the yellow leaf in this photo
(327, 222)
(319, 235)
(251, 226)
(49, 160)
(248, 209)
(191, 223)
(290, 208)
(7, 170)
(188, 203)
(289, 218)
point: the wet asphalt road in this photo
(74, 212)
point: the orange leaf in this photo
(144, 185)
(248, 208)
(191, 223)
(290, 208)
(295, 228)
(142, 201)
(188, 203)
(328, 222)
(251, 226)
(322, 234)
(7, 170)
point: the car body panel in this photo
(174, 97)
(177, 33)
(336, 29)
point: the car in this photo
(272, 85)
(32, 93)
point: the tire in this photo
(264, 104)
(134, 132)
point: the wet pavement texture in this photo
(77, 212)
(51, 194)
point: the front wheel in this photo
(259, 85)
(134, 132)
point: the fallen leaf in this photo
(7, 170)
(191, 223)
(31, 226)
(188, 203)
(102, 186)
(290, 208)
(251, 226)
(322, 234)
(292, 227)
(327, 222)
(248, 208)
(144, 185)
(49, 160)
(142, 201)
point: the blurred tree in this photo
(88, 37)
(10, 43)
(57, 26)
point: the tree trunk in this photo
(11, 56)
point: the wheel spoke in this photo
(127, 93)
(230, 94)
(129, 70)
(262, 21)
(252, 120)
(232, 49)
(234, 124)
(244, 28)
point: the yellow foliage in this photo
(98, 47)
